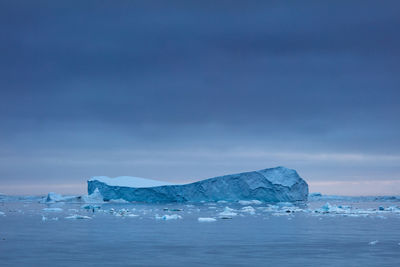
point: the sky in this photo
(185, 90)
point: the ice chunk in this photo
(269, 185)
(373, 242)
(78, 217)
(228, 212)
(169, 217)
(118, 201)
(248, 209)
(206, 219)
(52, 209)
(2, 213)
(250, 202)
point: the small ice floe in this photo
(249, 202)
(78, 217)
(52, 209)
(228, 212)
(328, 208)
(44, 218)
(122, 213)
(132, 215)
(222, 201)
(248, 209)
(118, 201)
(206, 219)
(372, 243)
(269, 208)
(2, 213)
(169, 217)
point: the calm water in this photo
(30, 236)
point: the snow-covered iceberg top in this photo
(278, 184)
(129, 181)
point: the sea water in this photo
(359, 233)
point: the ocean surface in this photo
(360, 232)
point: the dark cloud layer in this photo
(305, 84)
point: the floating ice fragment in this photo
(52, 209)
(2, 213)
(373, 242)
(227, 212)
(78, 217)
(169, 217)
(206, 219)
(249, 202)
(118, 201)
(248, 209)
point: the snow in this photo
(129, 181)
(203, 219)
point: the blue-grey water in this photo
(265, 236)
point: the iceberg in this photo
(278, 184)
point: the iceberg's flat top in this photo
(129, 181)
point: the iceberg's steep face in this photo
(270, 185)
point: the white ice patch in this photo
(206, 219)
(52, 209)
(228, 212)
(169, 217)
(78, 217)
(118, 201)
(373, 242)
(248, 209)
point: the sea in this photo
(329, 231)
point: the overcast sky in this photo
(183, 90)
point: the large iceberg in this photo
(269, 185)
